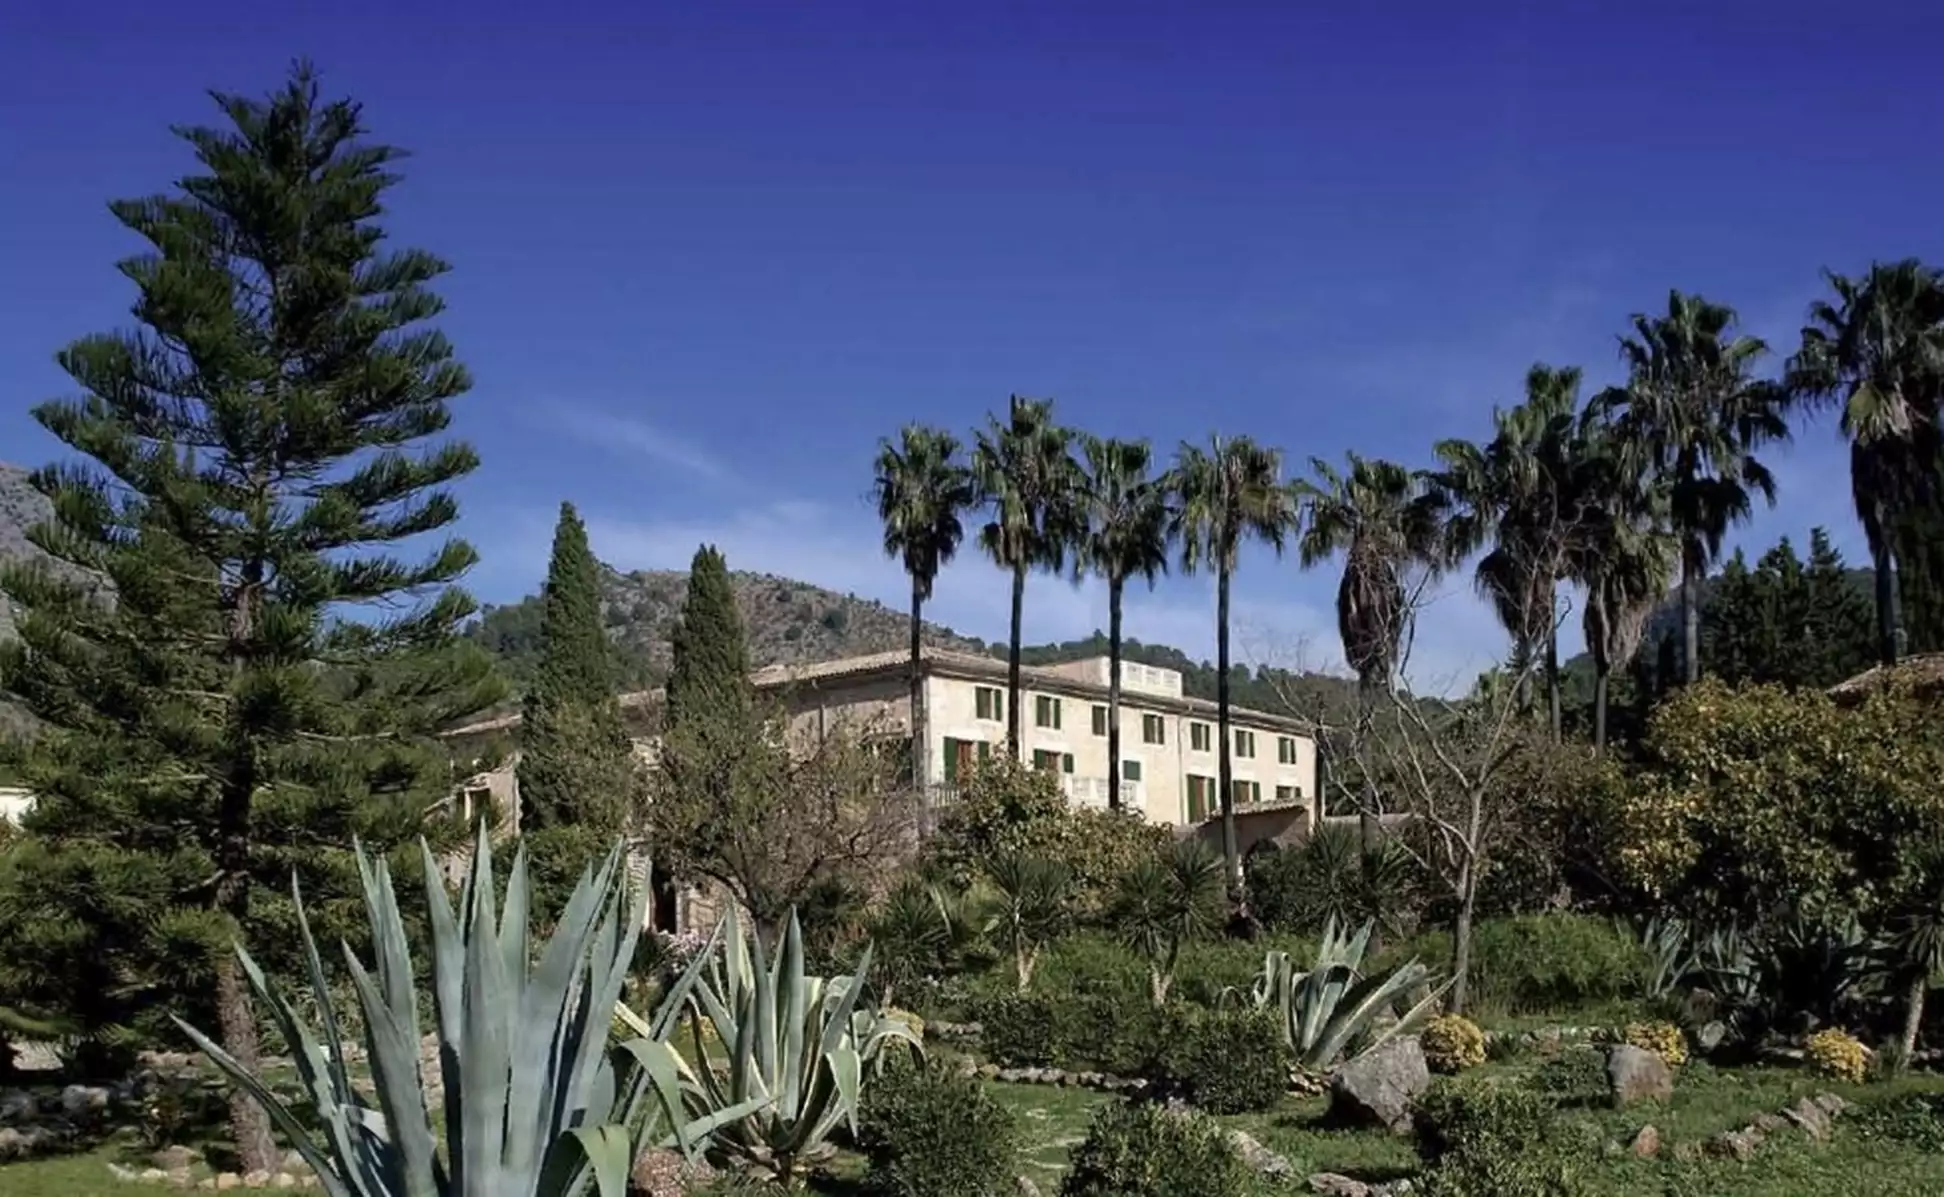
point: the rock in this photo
(1738, 1145)
(663, 1173)
(228, 1180)
(1709, 1035)
(294, 1163)
(123, 1173)
(1337, 1186)
(84, 1101)
(1768, 1124)
(1259, 1158)
(256, 1180)
(1026, 1187)
(1647, 1143)
(161, 1176)
(1381, 1087)
(18, 1105)
(1831, 1104)
(1811, 1117)
(173, 1159)
(1635, 1074)
(13, 1144)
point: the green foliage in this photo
(235, 676)
(1324, 879)
(1555, 962)
(1789, 975)
(1577, 1075)
(512, 1041)
(708, 682)
(801, 1046)
(1032, 904)
(577, 764)
(1916, 1119)
(928, 1132)
(1452, 1043)
(1756, 798)
(1143, 1150)
(1076, 1033)
(1332, 1009)
(1492, 1140)
(1230, 1061)
(1787, 622)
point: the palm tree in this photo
(1879, 349)
(1228, 493)
(1693, 414)
(1125, 514)
(1385, 522)
(1623, 557)
(922, 489)
(1165, 901)
(1027, 478)
(1516, 491)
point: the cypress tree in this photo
(247, 679)
(580, 786)
(708, 680)
(576, 763)
(1841, 618)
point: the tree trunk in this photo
(1601, 672)
(1888, 616)
(1012, 659)
(1461, 944)
(1226, 770)
(1691, 612)
(235, 1021)
(1369, 828)
(920, 729)
(1552, 683)
(1115, 586)
(1914, 1010)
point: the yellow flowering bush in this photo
(909, 1019)
(1664, 1039)
(1839, 1055)
(1452, 1043)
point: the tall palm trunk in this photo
(1691, 610)
(1115, 587)
(1883, 561)
(1602, 670)
(920, 727)
(1012, 659)
(1370, 831)
(1914, 1009)
(1552, 682)
(1226, 770)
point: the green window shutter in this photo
(1066, 762)
(1100, 721)
(1131, 770)
(985, 750)
(951, 759)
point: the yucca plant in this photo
(1332, 1009)
(798, 1045)
(535, 1103)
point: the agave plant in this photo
(535, 1104)
(798, 1045)
(1332, 1009)
(1671, 954)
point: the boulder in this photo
(1337, 1186)
(1708, 1035)
(18, 1105)
(1381, 1087)
(84, 1101)
(1635, 1074)
(174, 1159)
(1736, 1144)
(1811, 1117)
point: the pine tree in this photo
(1840, 641)
(263, 681)
(577, 765)
(1730, 623)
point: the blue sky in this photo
(706, 254)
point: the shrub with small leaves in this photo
(1577, 1074)
(928, 1132)
(1227, 1061)
(1488, 1140)
(1664, 1039)
(1140, 1149)
(1838, 1055)
(1452, 1043)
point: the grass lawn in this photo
(1706, 1102)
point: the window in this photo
(1288, 793)
(1131, 770)
(1201, 737)
(1046, 712)
(1201, 795)
(1052, 760)
(1100, 720)
(1247, 793)
(1286, 750)
(960, 756)
(989, 702)
(1154, 729)
(1244, 744)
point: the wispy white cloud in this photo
(633, 436)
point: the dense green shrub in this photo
(1145, 1150)
(929, 1132)
(1576, 1076)
(1488, 1140)
(1543, 962)
(1225, 1061)
(1078, 1034)
(1302, 888)
(1913, 1118)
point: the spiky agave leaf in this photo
(536, 1106)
